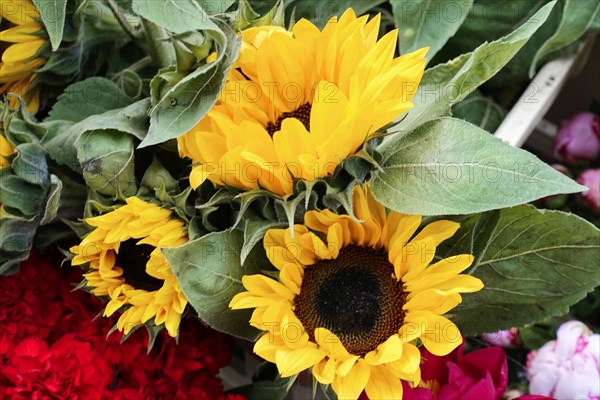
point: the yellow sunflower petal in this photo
(290, 362)
(264, 286)
(441, 335)
(324, 371)
(383, 385)
(331, 344)
(266, 347)
(438, 273)
(352, 385)
(387, 352)
(436, 301)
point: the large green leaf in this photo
(447, 84)
(53, 17)
(428, 23)
(178, 16)
(93, 104)
(92, 96)
(210, 274)
(534, 264)
(577, 17)
(186, 103)
(449, 166)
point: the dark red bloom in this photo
(69, 369)
(53, 345)
(479, 375)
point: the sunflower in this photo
(298, 103)
(355, 306)
(22, 56)
(6, 149)
(133, 273)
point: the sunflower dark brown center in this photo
(354, 296)
(132, 258)
(302, 114)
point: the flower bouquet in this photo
(287, 174)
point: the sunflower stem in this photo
(132, 31)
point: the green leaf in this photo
(449, 83)
(157, 177)
(16, 238)
(186, 103)
(53, 200)
(93, 104)
(481, 111)
(53, 17)
(83, 99)
(450, 166)
(106, 158)
(29, 164)
(178, 16)
(577, 18)
(428, 23)
(537, 263)
(19, 197)
(210, 274)
(215, 7)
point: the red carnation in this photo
(69, 369)
(478, 375)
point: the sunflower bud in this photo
(578, 139)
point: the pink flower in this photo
(591, 179)
(506, 339)
(578, 139)
(568, 367)
(479, 375)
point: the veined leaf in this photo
(536, 264)
(186, 103)
(577, 18)
(178, 16)
(53, 17)
(450, 166)
(428, 23)
(210, 273)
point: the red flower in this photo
(69, 369)
(52, 346)
(578, 139)
(478, 375)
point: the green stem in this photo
(132, 31)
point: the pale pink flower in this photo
(568, 367)
(506, 339)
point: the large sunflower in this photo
(354, 307)
(21, 40)
(126, 264)
(298, 103)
